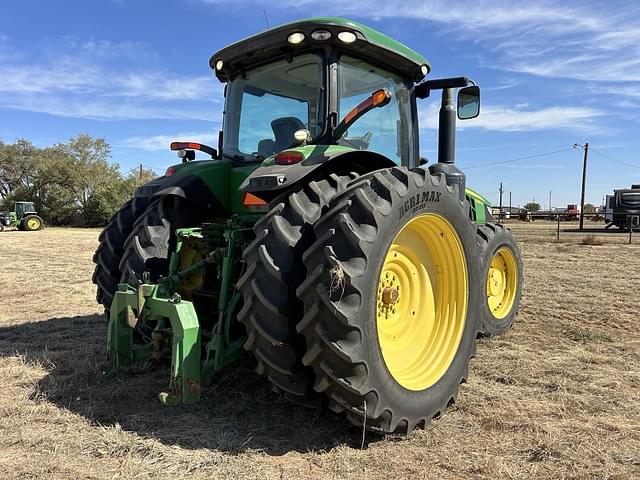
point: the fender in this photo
(211, 184)
(184, 186)
(480, 205)
(270, 178)
(204, 182)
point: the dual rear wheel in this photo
(389, 299)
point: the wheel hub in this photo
(390, 295)
(496, 281)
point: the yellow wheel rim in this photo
(502, 283)
(192, 251)
(33, 223)
(422, 301)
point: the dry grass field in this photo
(556, 397)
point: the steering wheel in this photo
(359, 143)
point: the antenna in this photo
(265, 18)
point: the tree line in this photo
(71, 183)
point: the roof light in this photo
(289, 157)
(219, 65)
(321, 35)
(295, 38)
(424, 69)
(170, 171)
(347, 37)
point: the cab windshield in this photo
(269, 103)
(385, 130)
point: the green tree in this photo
(71, 183)
(589, 208)
(92, 170)
(16, 166)
(532, 207)
(55, 186)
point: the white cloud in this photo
(80, 78)
(547, 38)
(82, 82)
(509, 119)
(97, 108)
(161, 142)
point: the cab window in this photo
(385, 130)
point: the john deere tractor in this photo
(23, 216)
(315, 236)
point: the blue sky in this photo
(553, 73)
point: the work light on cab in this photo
(295, 38)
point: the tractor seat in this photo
(266, 147)
(283, 130)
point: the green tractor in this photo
(315, 237)
(23, 216)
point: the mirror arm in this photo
(424, 89)
(358, 112)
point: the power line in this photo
(614, 159)
(500, 162)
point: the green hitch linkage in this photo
(129, 310)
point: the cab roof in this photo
(273, 43)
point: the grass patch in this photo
(584, 335)
(591, 239)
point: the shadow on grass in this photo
(238, 411)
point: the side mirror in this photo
(468, 102)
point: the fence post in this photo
(630, 232)
(558, 231)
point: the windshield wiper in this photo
(237, 157)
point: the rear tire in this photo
(274, 271)
(501, 267)
(32, 223)
(357, 360)
(106, 275)
(152, 240)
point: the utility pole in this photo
(500, 214)
(510, 207)
(140, 175)
(585, 147)
(550, 201)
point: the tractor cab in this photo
(307, 83)
(24, 208)
(307, 93)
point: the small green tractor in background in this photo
(23, 216)
(315, 237)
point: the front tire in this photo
(392, 361)
(501, 267)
